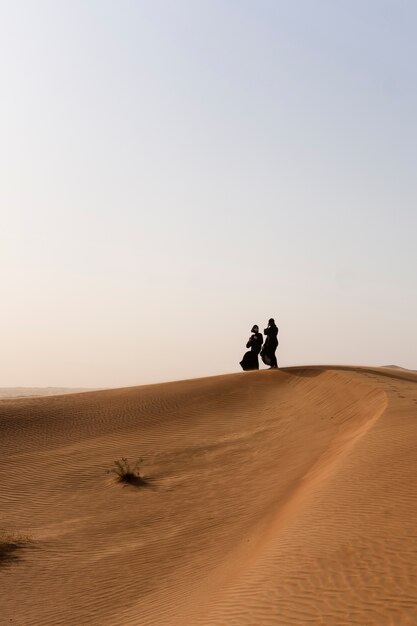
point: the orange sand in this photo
(281, 498)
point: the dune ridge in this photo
(274, 498)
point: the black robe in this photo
(270, 346)
(250, 359)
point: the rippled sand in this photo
(273, 498)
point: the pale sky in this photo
(175, 171)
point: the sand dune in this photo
(274, 498)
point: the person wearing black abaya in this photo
(250, 359)
(271, 344)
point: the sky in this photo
(173, 172)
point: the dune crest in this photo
(274, 498)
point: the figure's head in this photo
(255, 329)
(271, 321)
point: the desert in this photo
(208, 372)
(282, 497)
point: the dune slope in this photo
(274, 498)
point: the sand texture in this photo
(284, 498)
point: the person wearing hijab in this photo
(250, 359)
(271, 344)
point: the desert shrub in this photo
(127, 472)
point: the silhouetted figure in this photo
(250, 359)
(271, 344)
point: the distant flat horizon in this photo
(27, 392)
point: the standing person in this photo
(270, 345)
(250, 359)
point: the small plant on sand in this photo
(127, 472)
(10, 543)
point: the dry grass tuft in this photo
(128, 473)
(10, 544)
